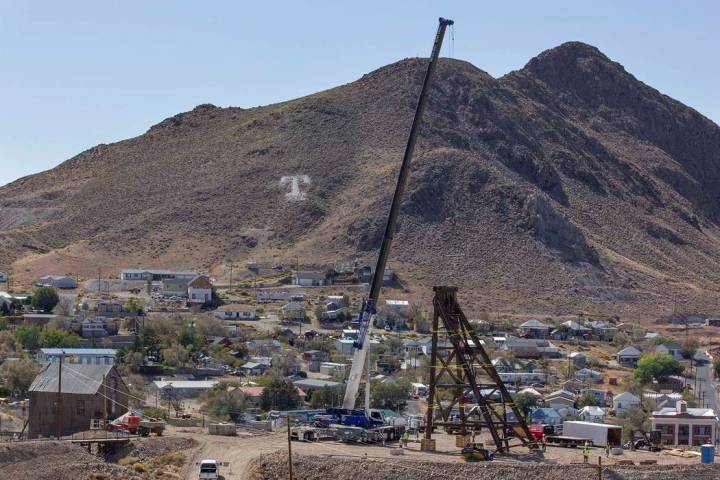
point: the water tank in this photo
(707, 453)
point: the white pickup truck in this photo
(209, 470)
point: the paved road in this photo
(707, 388)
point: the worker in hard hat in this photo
(586, 451)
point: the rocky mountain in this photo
(566, 186)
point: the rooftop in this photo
(79, 351)
(236, 307)
(76, 378)
(534, 324)
(157, 272)
(185, 383)
(692, 412)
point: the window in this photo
(80, 407)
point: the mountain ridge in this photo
(564, 186)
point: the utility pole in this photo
(231, 269)
(367, 384)
(58, 417)
(290, 466)
(99, 289)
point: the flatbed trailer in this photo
(566, 441)
(347, 433)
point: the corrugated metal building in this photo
(88, 392)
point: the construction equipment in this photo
(464, 380)
(135, 425)
(369, 304)
(650, 442)
(474, 452)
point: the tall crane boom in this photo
(369, 304)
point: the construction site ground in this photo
(241, 450)
(263, 455)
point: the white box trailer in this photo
(600, 434)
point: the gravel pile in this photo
(274, 467)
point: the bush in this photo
(157, 413)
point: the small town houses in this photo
(236, 311)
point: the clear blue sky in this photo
(77, 73)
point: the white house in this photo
(199, 289)
(680, 425)
(310, 279)
(592, 414)
(624, 402)
(560, 399)
(184, 388)
(155, 275)
(236, 311)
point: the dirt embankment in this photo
(144, 459)
(54, 461)
(274, 467)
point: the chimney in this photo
(681, 406)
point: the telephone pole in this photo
(59, 396)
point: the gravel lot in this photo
(274, 467)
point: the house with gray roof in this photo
(534, 329)
(628, 356)
(87, 393)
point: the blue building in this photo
(82, 356)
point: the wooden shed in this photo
(88, 392)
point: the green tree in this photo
(526, 402)
(134, 305)
(689, 347)
(656, 366)
(28, 336)
(635, 420)
(223, 405)
(176, 356)
(326, 397)
(4, 322)
(621, 339)
(587, 399)
(45, 299)
(18, 375)
(389, 395)
(56, 338)
(279, 394)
